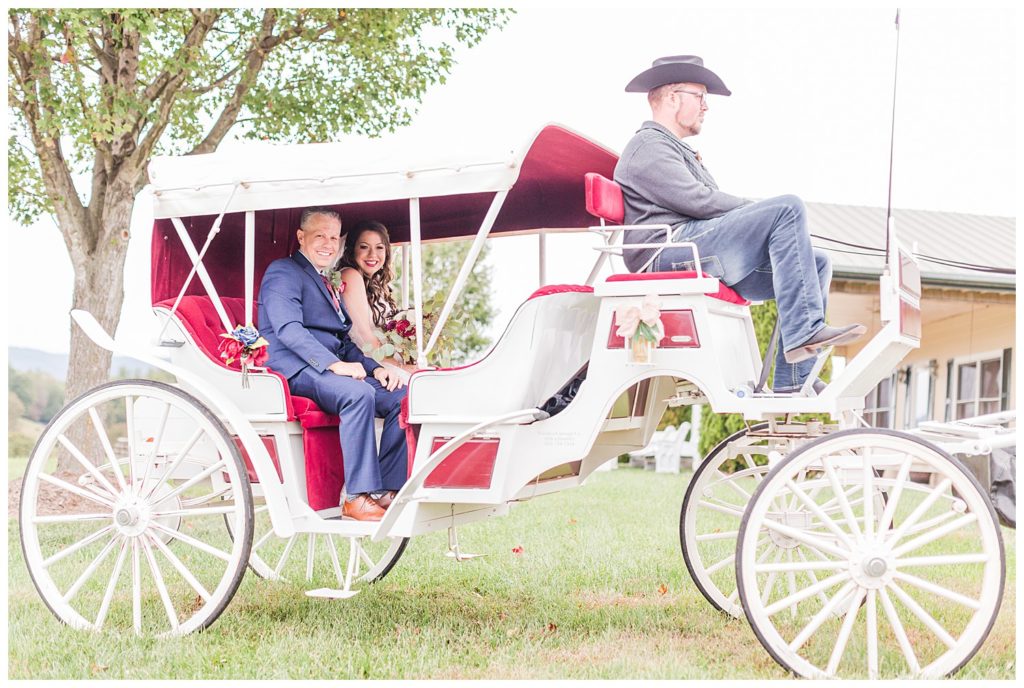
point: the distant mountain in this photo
(56, 365)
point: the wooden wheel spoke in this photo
(72, 518)
(201, 546)
(823, 614)
(924, 617)
(180, 567)
(173, 465)
(799, 596)
(928, 537)
(71, 549)
(936, 589)
(88, 466)
(108, 595)
(74, 489)
(201, 511)
(817, 511)
(844, 631)
(194, 480)
(157, 439)
(115, 465)
(918, 512)
(158, 579)
(90, 570)
(899, 632)
(844, 503)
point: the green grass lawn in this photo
(599, 590)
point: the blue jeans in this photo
(763, 251)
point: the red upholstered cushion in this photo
(200, 318)
(604, 198)
(724, 293)
(561, 289)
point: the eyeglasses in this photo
(700, 94)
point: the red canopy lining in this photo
(548, 193)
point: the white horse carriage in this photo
(852, 551)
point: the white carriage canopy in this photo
(543, 183)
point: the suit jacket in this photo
(298, 320)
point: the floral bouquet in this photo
(398, 336)
(642, 326)
(245, 344)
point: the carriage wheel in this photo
(133, 535)
(710, 517)
(911, 588)
(306, 556)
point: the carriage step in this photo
(453, 548)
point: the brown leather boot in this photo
(362, 508)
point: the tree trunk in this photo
(99, 289)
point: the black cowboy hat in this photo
(677, 69)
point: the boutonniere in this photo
(335, 279)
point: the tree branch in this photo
(56, 174)
(265, 42)
(164, 89)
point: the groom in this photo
(306, 325)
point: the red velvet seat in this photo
(324, 468)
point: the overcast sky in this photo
(810, 114)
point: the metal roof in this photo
(978, 239)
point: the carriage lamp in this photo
(642, 327)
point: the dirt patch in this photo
(53, 500)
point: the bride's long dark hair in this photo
(378, 287)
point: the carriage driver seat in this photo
(604, 201)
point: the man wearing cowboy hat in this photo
(761, 249)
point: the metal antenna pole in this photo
(892, 140)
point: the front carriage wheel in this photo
(123, 511)
(906, 587)
(712, 510)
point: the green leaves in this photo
(102, 81)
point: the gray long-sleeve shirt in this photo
(663, 182)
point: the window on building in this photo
(879, 404)
(920, 394)
(978, 386)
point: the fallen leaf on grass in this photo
(552, 627)
(98, 668)
(662, 589)
(572, 521)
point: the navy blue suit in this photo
(306, 335)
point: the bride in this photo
(366, 272)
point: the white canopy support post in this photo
(197, 260)
(405, 277)
(467, 267)
(417, 277)
(199, 269)
(250, 263)
(542, 258)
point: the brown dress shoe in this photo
(384, 501)
(362, 508)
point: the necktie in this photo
(332, 292)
